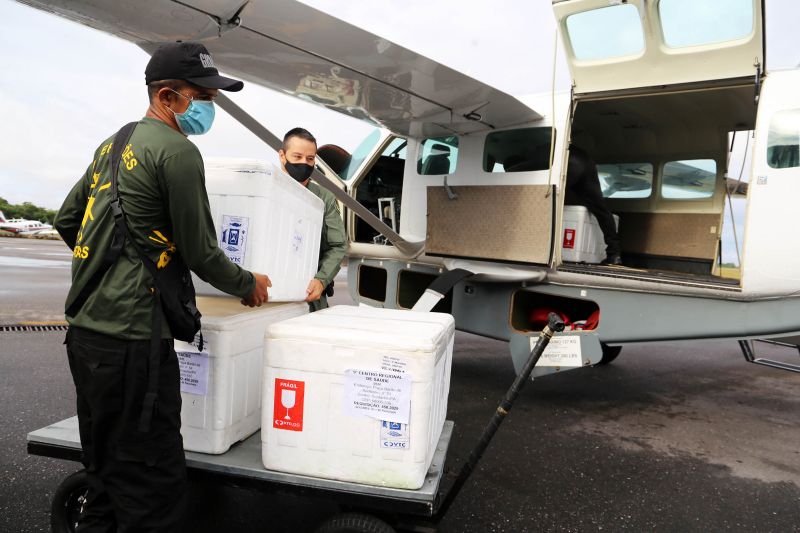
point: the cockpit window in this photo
(783, 142)
(518, 150)
(626, 180)
(694, 23)
(607, 32)
(362, 151)
(690, 179)
(438, 156)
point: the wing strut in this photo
(409, 249)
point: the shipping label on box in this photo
(289, 399)
(394, 363)
(377, 394)
(194, 365)
(233, 239)
(395, 435)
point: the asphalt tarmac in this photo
(670, 437)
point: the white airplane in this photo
(22, 226)
(471, 178)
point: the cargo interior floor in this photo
(660, 276)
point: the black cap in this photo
(187, 61)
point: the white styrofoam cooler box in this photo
(266, 222)
(583, 240)
(221, 387)
(338, 385)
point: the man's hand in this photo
(314, 290)
(260, 294)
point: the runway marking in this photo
(16, 261)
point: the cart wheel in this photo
(68, 503)
(354, 523)
(609, 353)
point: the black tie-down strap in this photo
(121, 233)
(439, 288)
(118, 240)
(150, 404)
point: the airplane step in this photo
(748, 350)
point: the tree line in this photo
(27, 210)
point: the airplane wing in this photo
(298, 50)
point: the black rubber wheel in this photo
(354, 523)
(609, 353)
(68, 503)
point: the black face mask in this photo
(299, 171)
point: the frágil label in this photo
(288, 411)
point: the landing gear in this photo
(67, 505)
(354, 523)
(609, 353)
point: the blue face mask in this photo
(198, 117)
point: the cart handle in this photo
(555, 324)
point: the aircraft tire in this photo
(354, 523)
(65, 508)
(609, 353)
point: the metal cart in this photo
(371, 509)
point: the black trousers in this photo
(137, 480)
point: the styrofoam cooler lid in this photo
(237, 164)
(345, 325)
(225, 313)
(228, 176)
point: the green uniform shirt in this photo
(162, 187)
(333, 245)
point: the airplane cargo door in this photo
(502, 207)
(639, 43)
(771, 262)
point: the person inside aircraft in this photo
(583, 188)
(298, 156)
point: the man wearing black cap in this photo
(137, 475)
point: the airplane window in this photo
(689, 179)
(693, 23)
(519, 150)
(361, 152)
(379, 190)
(626, 180)
(438, 156)
(613, 31)
(783, 141)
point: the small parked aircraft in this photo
(22, 226)
(460, 175)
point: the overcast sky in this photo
(65, 87)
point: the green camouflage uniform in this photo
(332, 246)
(162, 187)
